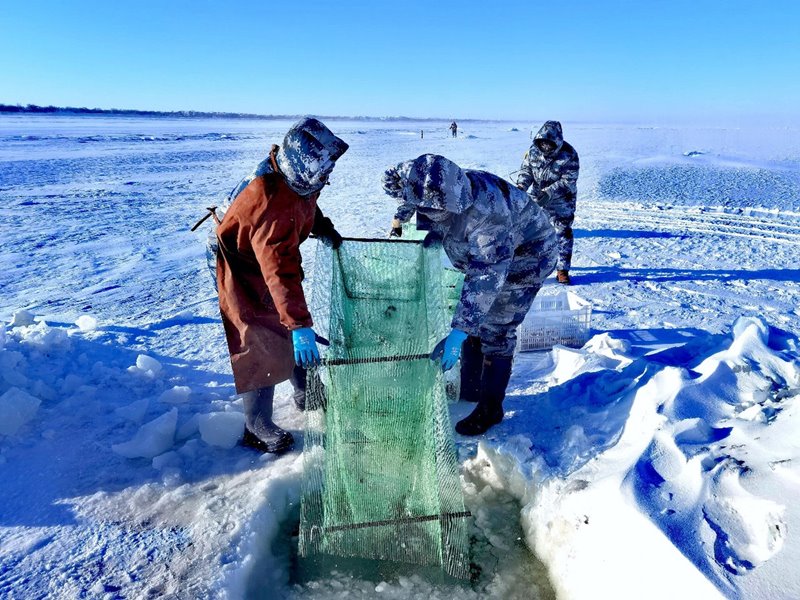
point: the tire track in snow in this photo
(700, 220)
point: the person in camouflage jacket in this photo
(550, 169)
(505, 246)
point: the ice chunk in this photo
(17, 407)
(86, 323)
(22, 318)
(12, 365)
(148, 365)
(176, 395)
(167, 460)
(152, 439)
(71, 383)
(223, 429)
(187, 429)
(190, 449)
(135, 411)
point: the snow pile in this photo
(51, 367)
(656, 457)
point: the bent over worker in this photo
(550, 168)
(505, 246)
(267, 323)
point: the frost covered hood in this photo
(433, 181)
(551, 131)
(308, 154)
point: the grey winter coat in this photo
(482, 219)
(554, 175)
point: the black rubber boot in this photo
(298, 381)
(260, 432)
(471, 369)
(489, 412)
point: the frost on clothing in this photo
(259, 270)
(553, 177)
(503, 243)
(307, 156)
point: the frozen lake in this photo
(679, 232)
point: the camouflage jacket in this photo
(553, 176)
(482, 220)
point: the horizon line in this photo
(51, 109)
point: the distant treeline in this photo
(71, 110)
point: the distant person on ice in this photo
(505, 246)
(454, 129)
(550, 169)
(259, 274)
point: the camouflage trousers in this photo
(532, 264)
(563, 227)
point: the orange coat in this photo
(259, 278)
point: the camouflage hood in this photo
(308, 154)
(551, 131)
(433, 181)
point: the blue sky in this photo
(574, 60)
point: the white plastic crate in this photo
(561, 318)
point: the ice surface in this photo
(152, 438)
(661, 459)
(17, 407)
(223, 429)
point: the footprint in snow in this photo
(749, 530)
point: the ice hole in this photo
(501, 564)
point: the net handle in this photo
(335, 362)
(383, 240)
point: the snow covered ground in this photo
(659, 460)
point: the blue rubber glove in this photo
(306, 353)
(449, 349)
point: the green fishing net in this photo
(381, 474)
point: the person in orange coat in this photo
(267, 322)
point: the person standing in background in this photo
(550, 168)
(454, 129)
